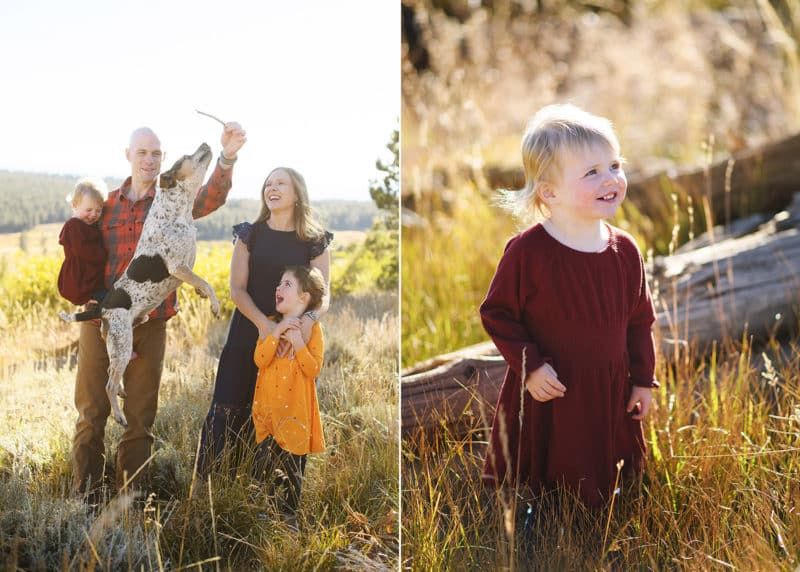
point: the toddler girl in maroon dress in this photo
(570, 311)
(82, 274)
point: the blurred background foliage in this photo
(671, 75)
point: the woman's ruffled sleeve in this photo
(319, 245)
(244, 232)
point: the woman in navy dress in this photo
(284, 234)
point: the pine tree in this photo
(382, 240)
(385, 191)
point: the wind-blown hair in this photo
(305, 225)
(554, 129)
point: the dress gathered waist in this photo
(595, 347)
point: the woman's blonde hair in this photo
(88, 187)
(553, 129)
(305, 225)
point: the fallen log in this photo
(742, 278)
(718, 287)
(462, 388)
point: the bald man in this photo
(121, 225)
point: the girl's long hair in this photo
(305, 224)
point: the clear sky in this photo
(315, 83)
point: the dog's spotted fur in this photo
(163, 259)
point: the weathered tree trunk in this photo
(742, 280)
(745, 277)
(464, 386)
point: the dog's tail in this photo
(92, 313)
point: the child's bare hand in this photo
(284, 348)
(644, 397)
(292, 322)
(543, 384)
(295, 337)
(284, 325)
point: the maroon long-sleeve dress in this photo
(589, 315)
(85, 257)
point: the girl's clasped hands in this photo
(288, 331)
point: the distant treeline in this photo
(29, 199)
(335, 215)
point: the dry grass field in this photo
(349, 515)
(43, 239)
(722, 483)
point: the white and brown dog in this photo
(163, 259)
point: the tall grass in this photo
(348, 516)
(720, 489)
(446, 268)
(723, 476)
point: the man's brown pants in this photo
(141, 380)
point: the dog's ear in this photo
(167, 180)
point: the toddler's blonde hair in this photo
(552, 130)
(88, 187)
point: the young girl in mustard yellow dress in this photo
(285, 408)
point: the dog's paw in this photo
(115, 390)
(201, 292)
(215, 307)
(66, 317)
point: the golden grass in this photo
(446, 269)
(349, 511)
(42, 239)
(723, 478)
(343, 238)
(719, 491)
